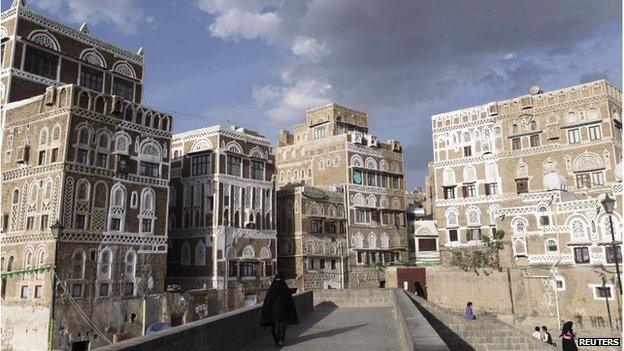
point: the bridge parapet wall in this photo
(228, 331)
(355, 297)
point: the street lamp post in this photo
(56, 229)
(608, 204)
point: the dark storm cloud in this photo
(402, 61)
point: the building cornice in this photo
(72, 33)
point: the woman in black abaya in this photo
(278, 309)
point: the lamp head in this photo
(608, 204)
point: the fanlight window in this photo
(358, 241)
(451, 218)
(130, 265)
(551, 245)
(78, 265)
(105, 264)
(372, 240)
(385, 242)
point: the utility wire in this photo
(80, 311)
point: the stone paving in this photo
(344, 328)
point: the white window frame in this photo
(594, 291)
(563, 285)
(576, 136)
(597, 135)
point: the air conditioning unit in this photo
(372, 140)
(22, 154)
(493, 109)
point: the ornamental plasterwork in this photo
(93, 57)
(242, 182)
(25, 237)
(124, 68)
(45, 39)
(375, 190)
(32, 77)
(208, 132)
(94, 116)
(112, 238)
(369, 151)
(73, 33)
(523, 152)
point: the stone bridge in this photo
(362, 319)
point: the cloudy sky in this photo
(262, 63)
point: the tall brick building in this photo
(85, 179)
(536, 167)
(333, 151)
(222, 212)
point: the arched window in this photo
(28, 259)
(514, 128)
(122, 144)
(99, 105)
(128, 113)
(451, 218)
(185, 254)
(470, 174)
(473, 215)
(130, 265)
(385, 242)
(82, 190)
(466, 137)
(104, 268)
(606, 228)
(117, 208)
(43, 137)
(372, 240)
(9, 267)
(78, 263)
(248, 252)
(551, 246)
(519, 225)
(41, 255)
(533, 125)
(449, 177)
(84, 136)
(15, 196)
(491, 172)
(578, 229)
(103, 141)
(357, 241)
(200, 254)
(83, 101)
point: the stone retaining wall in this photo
(227, 331)
(484, 334)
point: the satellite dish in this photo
(553, 181)
(534, 90)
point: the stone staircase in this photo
(486, 333)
